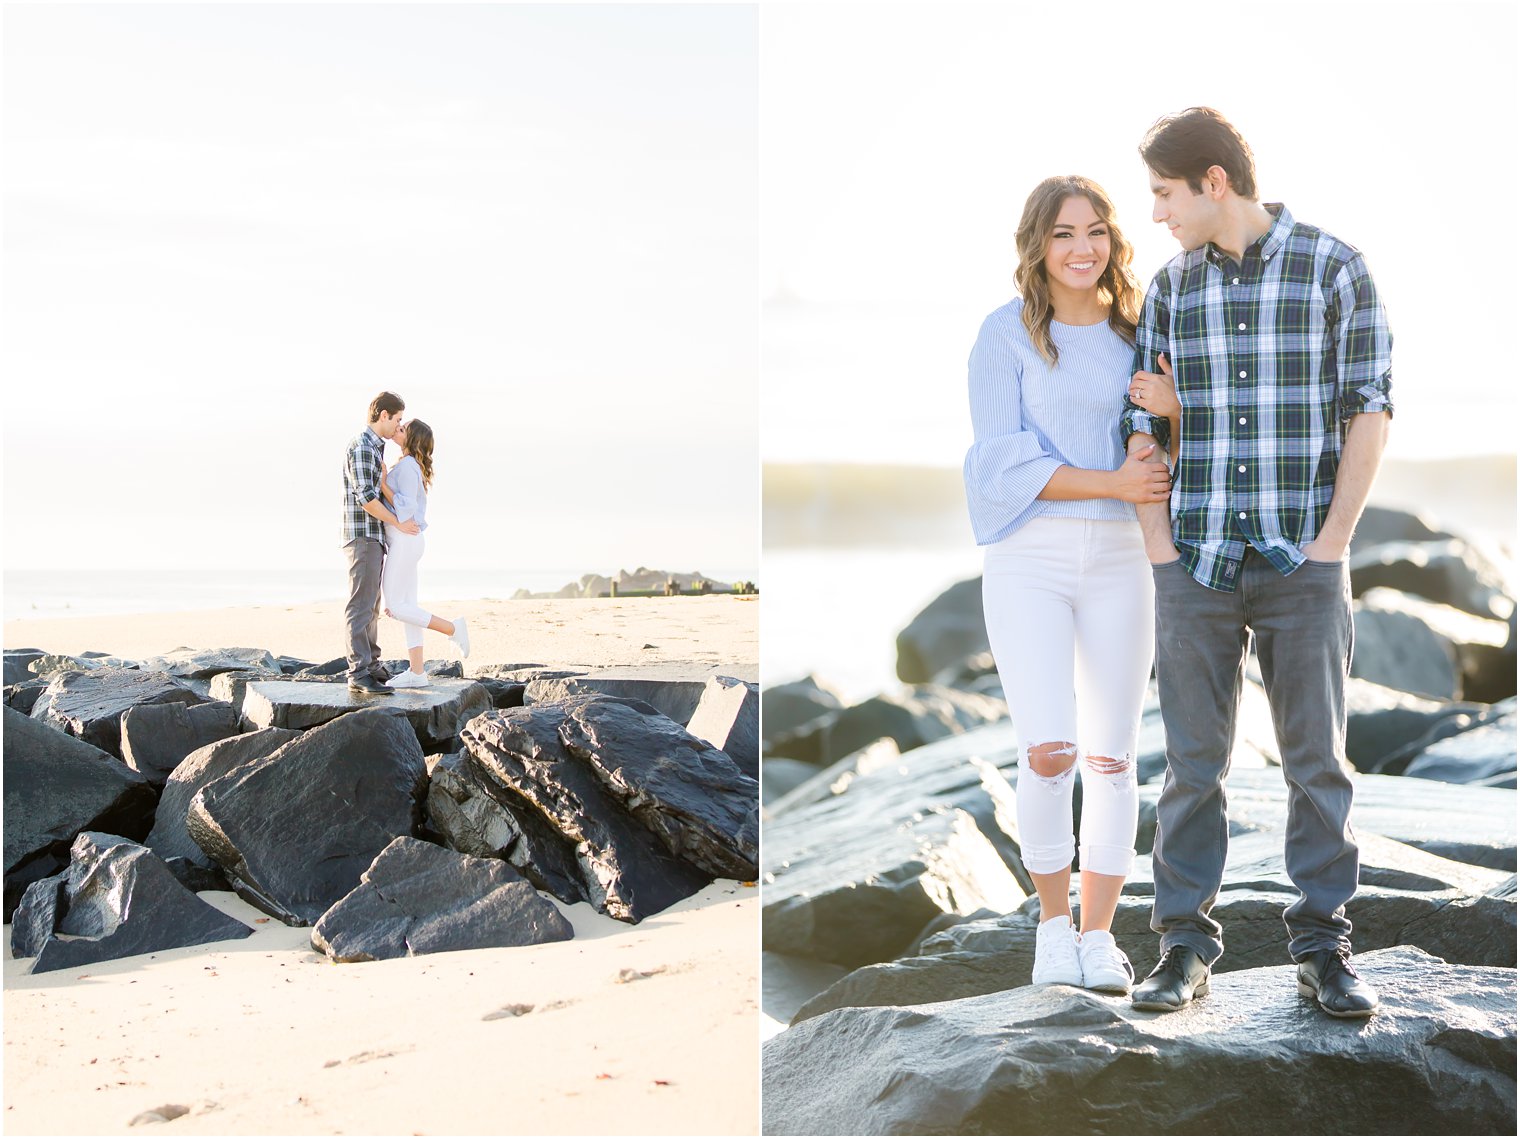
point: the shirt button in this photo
(1242, 419)
(1242, 375)
(1242, 470)
(1242, 327)
(1236, 281)
(1242, 513)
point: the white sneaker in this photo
(408, 679)
(1055, 953)
(1104, 965)
(461, 637)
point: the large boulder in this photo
(23, 695)
(90, 705)
(417, 898)
(947, 631)
(16, 662)
(1470, 757)
(156, 738)
(55, 787)
(436, 712)
(295, 830)
(1450, 572)
(116, 899)
(1397, 649)
(728, 717)
(1380, 524)
(1382, 722)
(674, 690)
(170, 837)
(1253, 1057)
(622, 867)
(911, 717)
(787, 707)
(203, 664)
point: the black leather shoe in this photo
(365, 686)
(1328, 977)
(380, 675)
(1178, 977)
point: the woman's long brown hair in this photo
(1117, 286)
(419, 445)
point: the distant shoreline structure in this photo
(820, 505)
(642, 582)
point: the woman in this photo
(405, 488)
(1067, 590)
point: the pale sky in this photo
(227, 227)
(899, 150)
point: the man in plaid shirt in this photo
(1263, 359)
(364, 519)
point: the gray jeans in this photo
(1302, 624)
(366, 560)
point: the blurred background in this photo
(897, 154)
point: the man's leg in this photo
(1303, 640)
(1200, 656)
(364, 564)
(373, 631)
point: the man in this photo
(1279, 350)
(364, 519)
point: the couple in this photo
(384, 515)
(1258, 363)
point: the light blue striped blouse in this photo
(1029, 419)
(405, 481)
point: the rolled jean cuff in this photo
(1047, 859)
(1100, 859)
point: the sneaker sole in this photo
(1119, 987)
(1353, 1014)
(1157, 1006)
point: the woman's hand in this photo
(1156, 394)
(1143, 479)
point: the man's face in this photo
(1192, 218)
(386, 425)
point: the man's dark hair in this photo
(1186, 144)
(388, 402)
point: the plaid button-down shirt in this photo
(361, 484)
(1272, 358)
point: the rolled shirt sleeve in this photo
(1363, 343)
(363, 473)
(1006, 467)
(1151, 339)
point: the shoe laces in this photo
(1339, 960)
(1106, 954)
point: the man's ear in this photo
(1216, 182)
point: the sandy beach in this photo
(647, 1029)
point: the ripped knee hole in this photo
(1052, 759)
(1103, 765)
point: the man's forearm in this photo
(1155, 517)
(1366, 437)
(376, 509)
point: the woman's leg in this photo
(401, 591)
(1115, 640)
(1029, 626)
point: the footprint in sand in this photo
(515, 1010)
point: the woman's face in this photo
(400, 436)
(1077, 253)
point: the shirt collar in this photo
(1268, 243)
(370, 437)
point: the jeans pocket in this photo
(1165, 565)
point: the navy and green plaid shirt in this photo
(1272, 358)
(361, 484)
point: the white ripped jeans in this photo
(1070, 610)
(399, 581)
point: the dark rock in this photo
(689, 794)
(787, 707)
(203, 664)
(728, 717)
(436, 712)
(1488, 671)
(624, 869)
(292, 665)
(670, 692)
(417, 898)
(1469, 757)
(23, 696)
(231, 687)
(1505, 889)
(948, 630)
(1450, 572)
(16, 662)
(1251, 1058)
(169, 838)
(1382, 722)
(1380, 524)
(195, 877)
(294, 831)
(521, 672)
(36, 915)
(338, 666)
(117, 900)
(824, 783)
(854, 878)
(155, 738)
(51, 665)
(780, 776)
(1397, 649)
(55, 787)
(912, 717)
(439, 668)
(90, 705)
(504, 693)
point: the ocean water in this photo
(94, 593)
